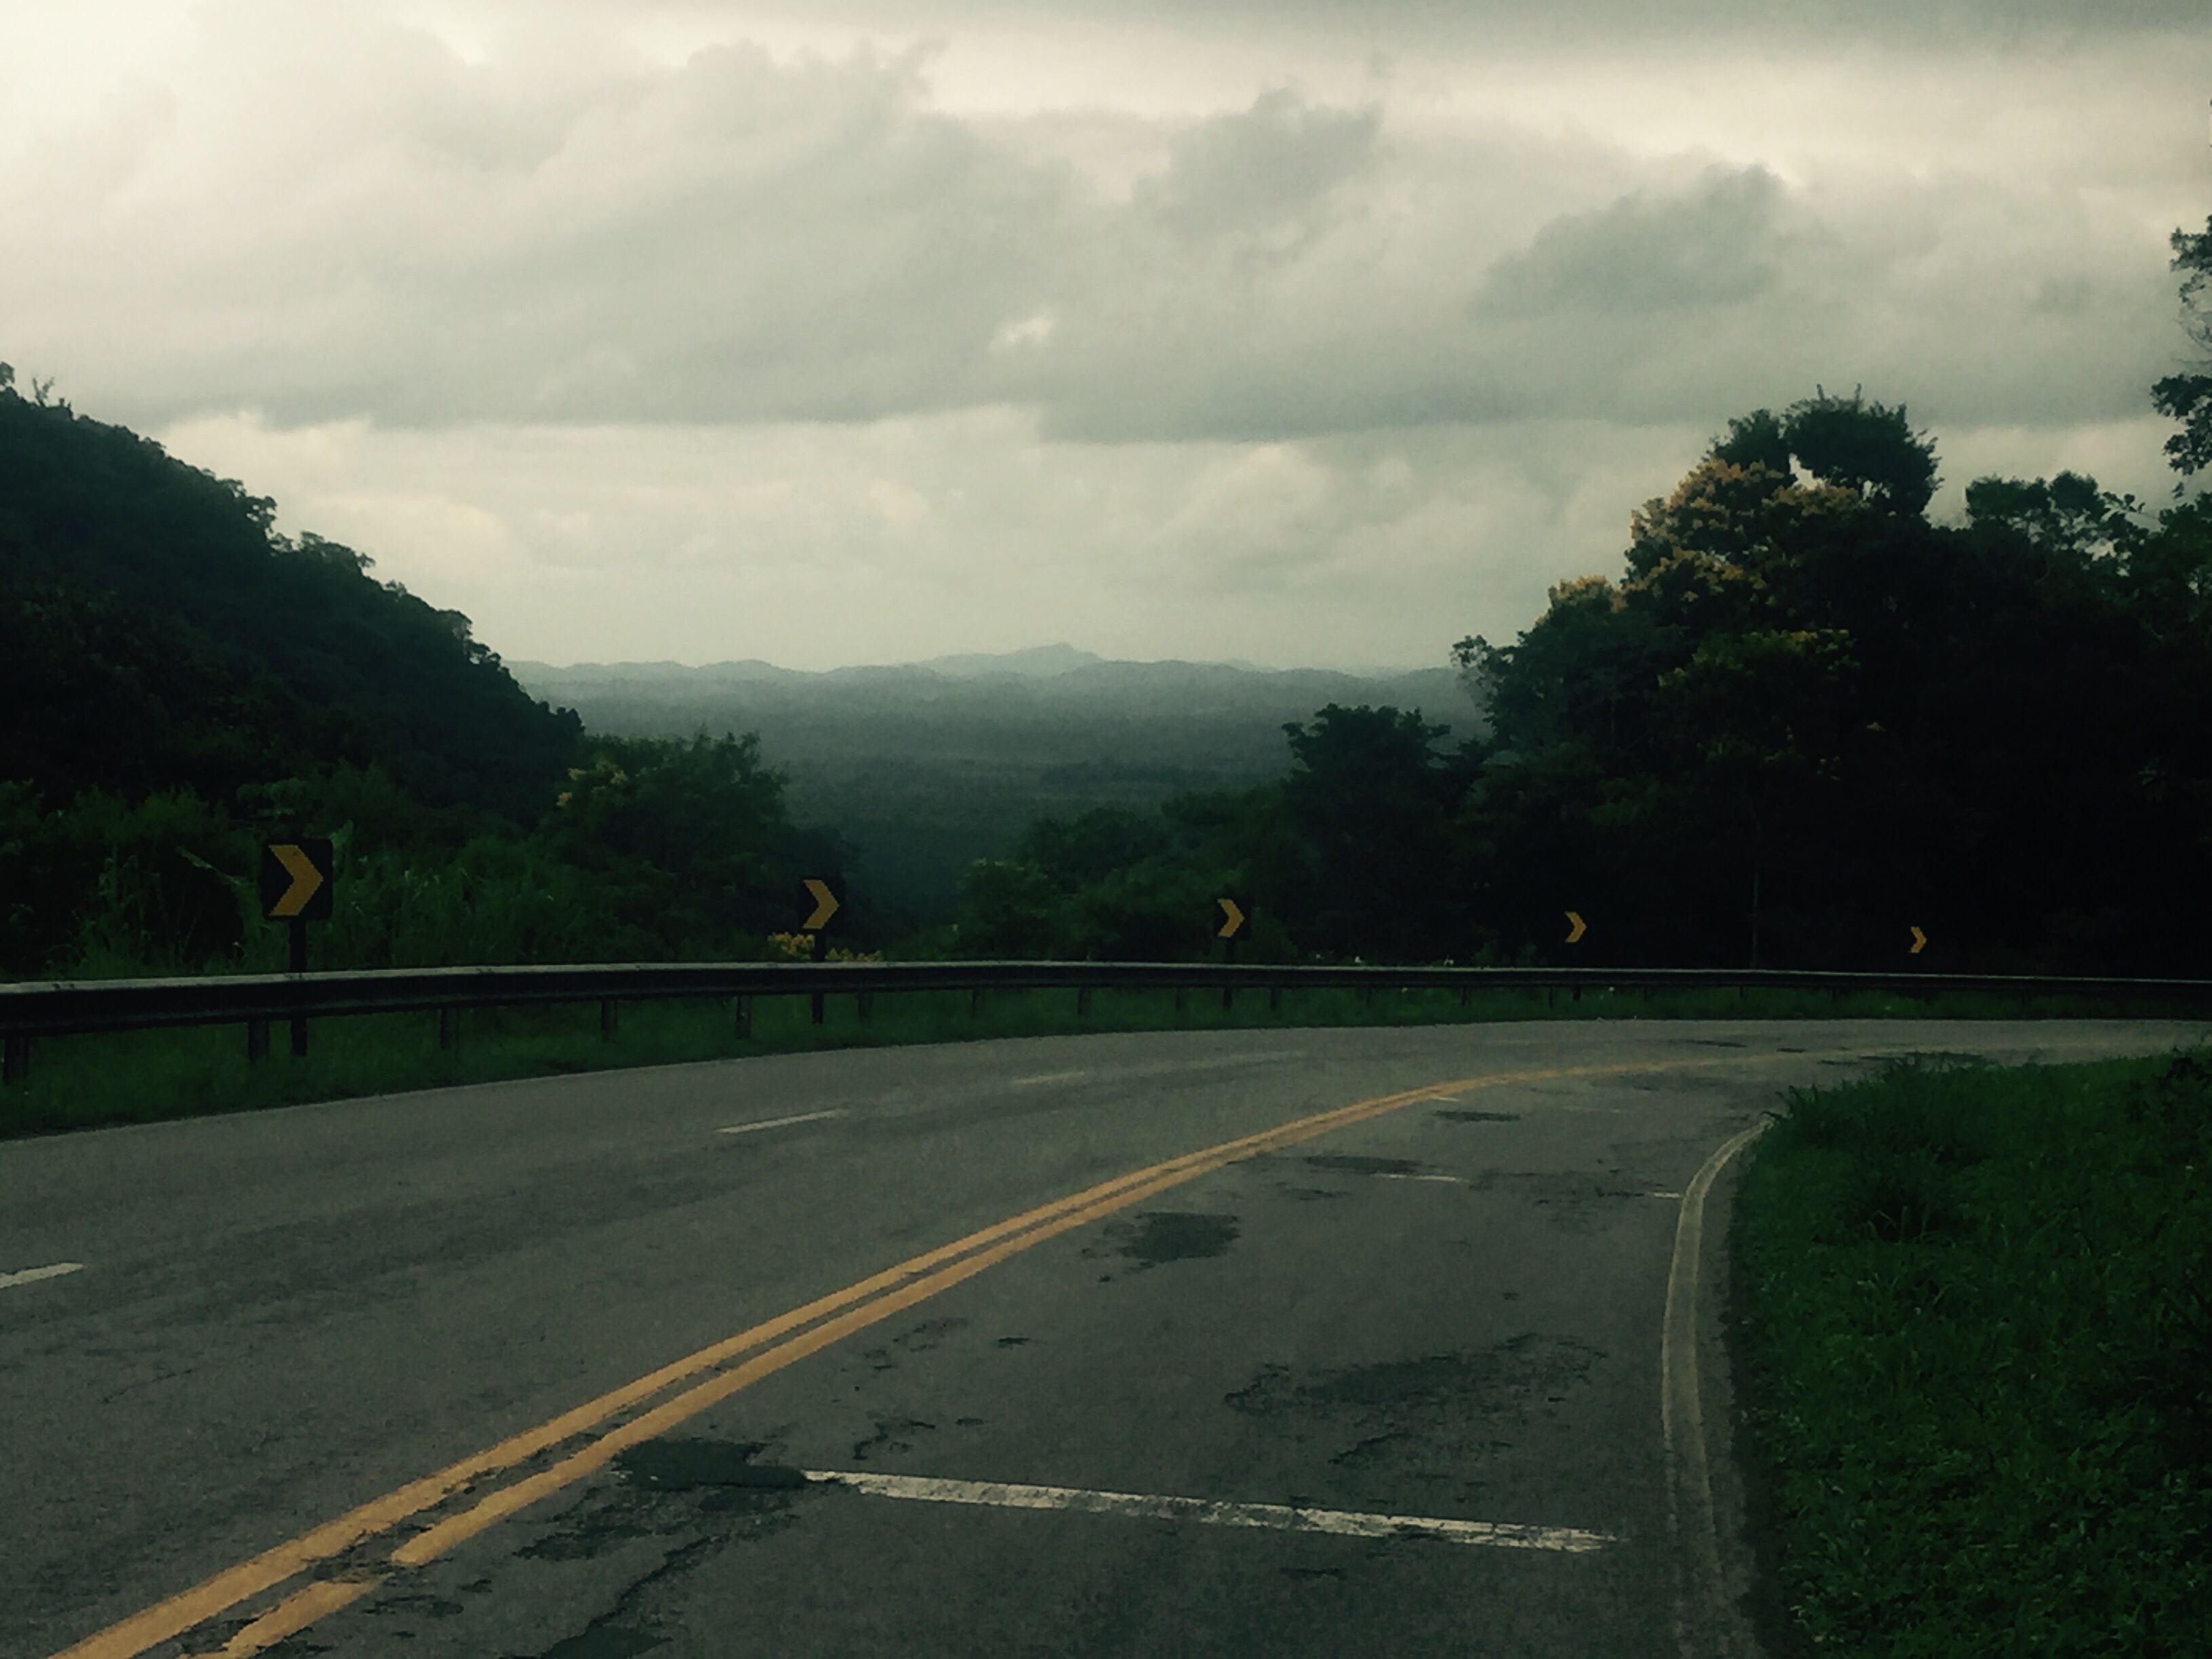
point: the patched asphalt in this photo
(1448, 1311)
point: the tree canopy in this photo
(2187, 396)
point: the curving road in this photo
(1306, 1341)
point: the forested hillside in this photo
(160, 636)
(1800, 721)
(180, 681)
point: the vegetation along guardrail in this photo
(54, 1009)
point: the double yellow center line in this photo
(772, 1346)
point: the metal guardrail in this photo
(256, 1000)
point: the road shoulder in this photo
(1743, 1495)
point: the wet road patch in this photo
(1571, 1201)
(688, 1465)
(1441, 1409)
(669, 1488)
(605, 1642)
(1470, 1117)
(1352, 1163)
(890, 1436)
(1178, 1235)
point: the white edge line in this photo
(1388, 1175)
(32, 1275)
(1278, 1517)
(778, 1122)
(1047, 1077)
(1700, 1608)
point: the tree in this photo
(2187, 396)
(689, 835)
(1371, 803)
(1863, 447)
(2066, 517)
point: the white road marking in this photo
(1456, 1180)
(1048, 1077)
(1662, 1195)
(1278, 1517)
(778, 1122)
(1707, 1619)
(32, 1275)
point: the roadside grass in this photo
(1976, 1319)
(80, 1082)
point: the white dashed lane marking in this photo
(1279, 1517)
(32, 1275)
(777, 1123)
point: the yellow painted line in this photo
(882, 1294)
(293, 1614)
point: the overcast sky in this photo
(1316, 333)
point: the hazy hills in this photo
(926, 766)
(155, 634)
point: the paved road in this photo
(1444, 1308)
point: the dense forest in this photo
(925, 768)
(1800, 721)
(182, 682)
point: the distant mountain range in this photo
(926, 766)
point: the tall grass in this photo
(1980, 1358)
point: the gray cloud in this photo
(1267, 172)
(1321, 333)
(1585, 23)
(1719, 244)
(373, 226)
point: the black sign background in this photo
(277, 880)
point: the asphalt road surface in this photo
(896, 1352)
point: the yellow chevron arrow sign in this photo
(1919, 940)
(825, 905)
(1575, 926)
(296, 880)
(1233, 919)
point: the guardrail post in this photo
(741, 1015)
(865, 1001)
(610, 1018)
(1228, 996)
(1274, 998)
(1181, 997)
(1083, 1002)
(257, 1041)
(819, 1009)
(449, 1027)
(299, 947)
(1466, 996)
(974, 1002)
(17, 1066)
